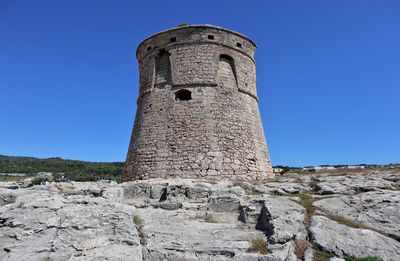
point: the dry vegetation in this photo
(300, 247)
(258, 245)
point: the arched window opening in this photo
(183, 95)
(163, 68)
(226, 72)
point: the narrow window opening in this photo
(183, 95)
(148, 48)
(226, 72)
(239, 45)
(211, 37)
(163, 68)
(173, 39)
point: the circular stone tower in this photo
(197, 111)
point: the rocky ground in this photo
(308, 217)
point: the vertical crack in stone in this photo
(264, 222)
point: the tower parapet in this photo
(197, 113)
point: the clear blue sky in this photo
(328, 74)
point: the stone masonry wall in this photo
(218, 132)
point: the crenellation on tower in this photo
(197, 113)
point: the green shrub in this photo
(72, 169)
(37, 181)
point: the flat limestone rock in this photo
(290, 188)
(342, 240)
(379, 210)
(45, 225)
(353, 184)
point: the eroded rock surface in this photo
(341, 240)
(378, 210)
(203, 220)
(353, 184)
(46, 225)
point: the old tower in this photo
(197, 111)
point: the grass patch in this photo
(319, 255)
(251, 192)
(391, 188)
(258, 245)
(345, 221)
(336, 174)
(275, 180)
(355, 224)
(367, 258)
(138, 221)
(306, 200)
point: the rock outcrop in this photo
(342, 240)
(181, 219)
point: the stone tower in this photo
(197, 111)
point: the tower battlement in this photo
(197, 113)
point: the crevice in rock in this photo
(224, 253)
(164, 194)
(142, 237)
(314, 184)
(263, 223)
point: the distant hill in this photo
(73, 169)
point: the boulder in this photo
(223, 203)
(7, 196)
